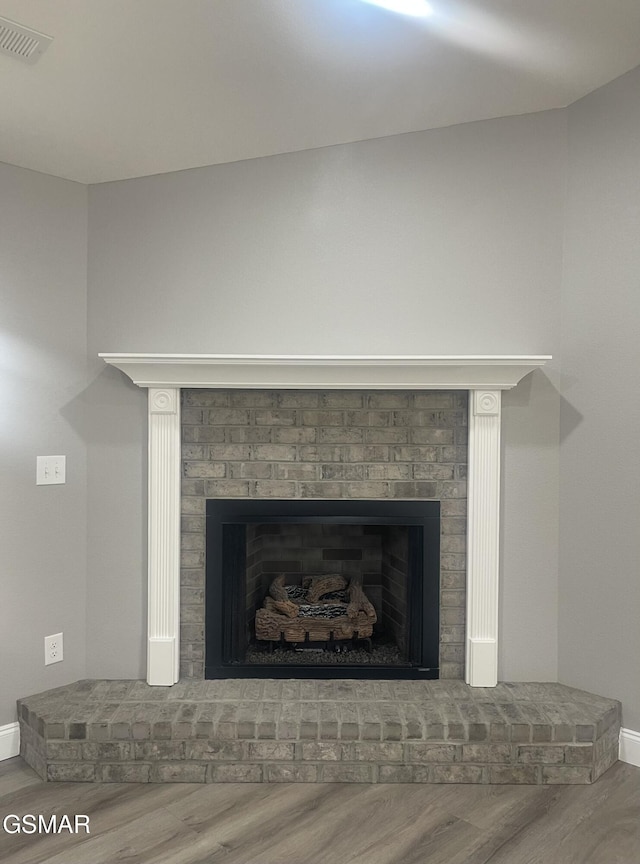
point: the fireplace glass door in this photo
(322, 589)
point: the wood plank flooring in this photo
(327, 823)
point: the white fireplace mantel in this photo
(317, 372)
(483, 376)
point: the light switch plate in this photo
(50, 469)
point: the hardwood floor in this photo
(327, 823)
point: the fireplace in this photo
(329, 447)
(165, 375)
(386, 551)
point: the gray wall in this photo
(43, 250)
(439, 242)
(599, 606)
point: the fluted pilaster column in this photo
(483, 535)
(163, 656)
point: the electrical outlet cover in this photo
(53, 649)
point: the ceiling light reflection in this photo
(416, 8)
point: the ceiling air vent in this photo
(22, 42)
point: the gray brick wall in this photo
(324, 444)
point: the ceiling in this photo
(136, 87)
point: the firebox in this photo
(322, 589)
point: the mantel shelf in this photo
(313, 371)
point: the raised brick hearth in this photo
(319, 731)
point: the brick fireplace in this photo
(238, 456)
(335, 445)
(166, 376)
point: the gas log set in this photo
(323, 610)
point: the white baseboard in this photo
(10, 741)
(630, 747)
